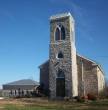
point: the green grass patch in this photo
(29, 107)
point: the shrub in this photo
(66, 98)
(80, 99)
(91, 97)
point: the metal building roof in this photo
(23, 82)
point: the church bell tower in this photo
(63, 79)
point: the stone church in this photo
(66, 73)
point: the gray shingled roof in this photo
(23, 82)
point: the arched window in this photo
(57, 34)
(60, 55)
(62, 33)
(60, 74)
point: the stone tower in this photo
(63, 79)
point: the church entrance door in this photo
(60, 87)
(60, 84)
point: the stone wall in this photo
(87, 77)
(44, 75)
(90, 82)
(66, 64)
(101, 81)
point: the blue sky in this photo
(24, 34)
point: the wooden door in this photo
(60, 87)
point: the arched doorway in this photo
(60, 84)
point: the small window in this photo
(60, 55)
(57, 34)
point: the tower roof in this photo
(62, 15)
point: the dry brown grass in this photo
(44, 104)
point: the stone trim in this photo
(59, 16)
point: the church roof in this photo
(94, 63)
(44, 63)
(83, 57)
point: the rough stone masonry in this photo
(66, 73)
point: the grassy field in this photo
(42, 104)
